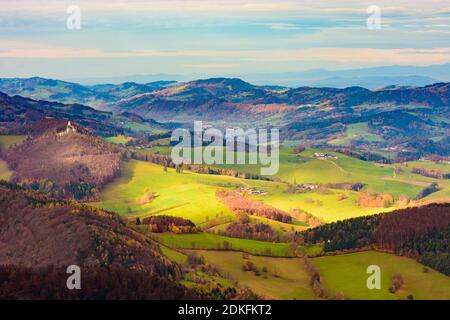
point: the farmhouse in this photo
(248, 190)
(324, 156)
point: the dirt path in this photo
(413, 183)
(337, 166)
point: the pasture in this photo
(7, 141)
(209, 241)
(355, 131)
(146, 189)
(347, 274)
(283, 278)
(118, 139)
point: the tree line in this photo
(419, 232)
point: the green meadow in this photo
(118, 139)
(306, 168)
(328, 207)
(277, 226)
(146, 189)
(340, 204)
(173, 255)
(210, 241)
(356, 131)
(422, 181)
(347, 274)
(282, 278)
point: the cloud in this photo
(211, 66)
(369, 56)
(279, 26)
(225, 6)
(445, 10)
(244, 35)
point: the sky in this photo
(213, 38)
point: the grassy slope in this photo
(118, 139)
(212, 241)
(443, 183)
(5, 174)
(192, 195)
(7, 141)
(285, 278)
(327, 207)
(305, 168)
(356, 131)
(347, 274)
(378, 178)
(277, 226)
(188, 195)
(173, 255)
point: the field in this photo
(286, 278)
(347, 274)
(444, 184)
(328, 207)
(216, 242)
(7, 141)
(146, 189)
(307, 168)
(173, 255)
(341, 204)
(5, 174)
(118, 139)
(356, 131)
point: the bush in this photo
(194, 259)
(396, 284)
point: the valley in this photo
(228, 232)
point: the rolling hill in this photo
(410, 119)
(72, 93)
(65, 160)
(20, 115)
(41, 237)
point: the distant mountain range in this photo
(20, 115)
(68, 92)
(198, 92)
(407, 118)
(369, 78)
(222, 99)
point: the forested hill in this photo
(419, 232)
(64, 160)
(41, 237)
